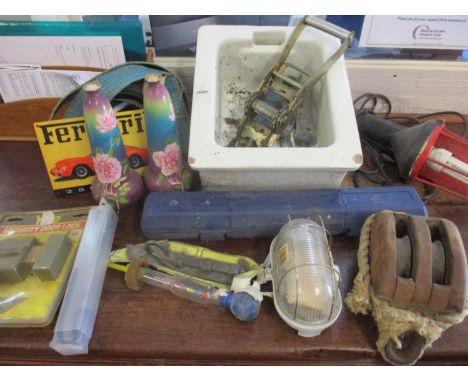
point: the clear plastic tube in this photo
(182, 287)
(76, 319)
(244, 305)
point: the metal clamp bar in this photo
(288, 80)
(295, 67)
(321, 72)
(327, 27)
(264, 109)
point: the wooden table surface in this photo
(154, 327)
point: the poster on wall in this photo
(423, 32)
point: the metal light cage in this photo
(305, 279)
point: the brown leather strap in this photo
(420, 238)
(383, 255)
(456, 269)
(132, 276)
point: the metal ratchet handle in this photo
(327, 27)
(345, 36)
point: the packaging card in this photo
(34, 301)
(415, 32)
(67, 155)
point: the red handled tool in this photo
(427, 152)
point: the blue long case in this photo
(252, 214)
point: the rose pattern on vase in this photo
(115, 181)
(106, 121)
(166, 171)
(108, 169)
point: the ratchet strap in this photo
(271, 108)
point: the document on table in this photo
(415, 32)
(91, 51)
(24, 84)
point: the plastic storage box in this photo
(230, 65)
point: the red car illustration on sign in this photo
(82, 167)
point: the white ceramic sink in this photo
(230, 64)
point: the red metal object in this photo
(65, 167)
(458, 146)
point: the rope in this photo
(358, 299)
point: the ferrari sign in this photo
(67, 154)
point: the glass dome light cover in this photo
(305, 279)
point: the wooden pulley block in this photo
(418, 262)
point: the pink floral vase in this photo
(166, 171)
(115, 181)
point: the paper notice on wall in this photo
(416, 32)
(25, 84)
(89, 51)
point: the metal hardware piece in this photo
(272, 107)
